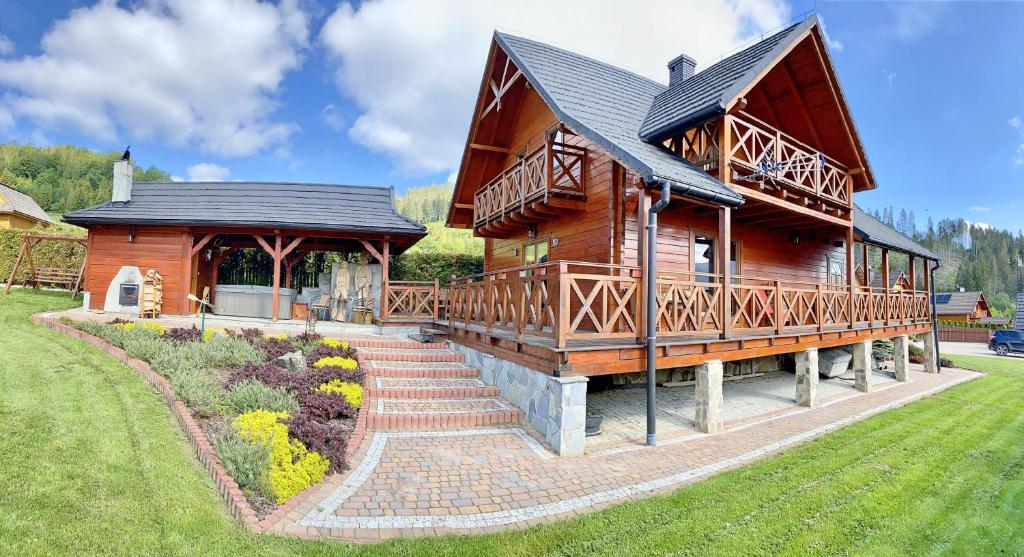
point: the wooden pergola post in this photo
(17, 263)
(850, 282)
(278, 254)
(381, 256)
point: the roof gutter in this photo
(692, 192)
(935, 316)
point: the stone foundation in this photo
(807, 377)
(863, 373)
(555, 406)
(765, 364)
(709, 397)
(901, 356)
(931, 355)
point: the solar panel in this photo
(942, 298)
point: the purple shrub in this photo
(309, 337)
(322, 351)
(118, 321)
(270, 375)
(181, 335)
(324, 407)
(329, 440)
(274, 348)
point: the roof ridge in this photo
(758, 39)
(263, 183)
(584, 56)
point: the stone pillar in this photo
(931, 353)
(807, 377)
(862, 372)
(709, 397)
(901, 353)
(567, 415)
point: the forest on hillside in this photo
(64, 178)
(974, 257)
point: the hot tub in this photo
(242, 300)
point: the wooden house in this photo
(961, 306)
(632, 226)
(184, 230)
(19, 211)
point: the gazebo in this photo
(184, 230)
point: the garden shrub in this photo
(153, 327)
(270, 375)
(308, 337)
(915, 350)
(333, 343)
(252, 394)
(145, 347)
(328, 439)
(323, 406)
(275, 347)
(248, 463)
(352, 392)
(225, 352)
(336, 361)
(65, 320)
(181, 335)
(322, 351)
(293, 467)
(197, 389)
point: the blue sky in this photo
(381, 93)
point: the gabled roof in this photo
(607, 105)
(361, 209)
(13, 201)
(957, 303)
(874, 231)
(708, 93)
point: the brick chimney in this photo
(123, 171)
(680, 69)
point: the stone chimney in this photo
(680, 69)
(123, 171)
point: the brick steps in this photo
(426, 387)
(409, 355)
(395, 343)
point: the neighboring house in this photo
(758, 159)
(184, 230)
(961, 306)
(19, 211)
(897, 281)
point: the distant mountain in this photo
(429, 205)
(64, 178)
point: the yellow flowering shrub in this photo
(279, 336)
(353, 392)
(336, 361)
(155, 327)
(333, 343)
(208, 335)
(129, 326)
(293, 468)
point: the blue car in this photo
(1005, 342)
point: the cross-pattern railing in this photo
(756, 146)
(413, 300)
(553, 168)
(567, 301)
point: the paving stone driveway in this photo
(481, 480)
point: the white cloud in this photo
(914, 20)
(980, 209)
(834, 44)
(207, 172)
(414, 66)
(175, 178)
(332, 118)
(978, 225)
(1017, 123)
(889, 76)
(6, 45)
(182, 72)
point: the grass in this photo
(91, 462)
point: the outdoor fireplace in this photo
(129, 295)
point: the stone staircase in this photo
(417, 386)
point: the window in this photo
(836, 273)
(535, 253)
(704, 260)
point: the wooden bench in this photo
(52, 276)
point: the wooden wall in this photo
(582, 236)
(160, 248)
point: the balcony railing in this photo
(553, 168)
(757, 147)
(567, 301)
(413, 300)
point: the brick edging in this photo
(228, 488)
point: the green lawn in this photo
(91, 461)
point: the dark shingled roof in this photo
(877, 232)
(956, 303)
(13, 201)
(707, 93)
(606, 105)
(256, 204)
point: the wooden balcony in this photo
(568, 301)
(545, 183)
(767, 160)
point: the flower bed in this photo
(277, 432)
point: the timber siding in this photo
(160, 248)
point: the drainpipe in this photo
(651, 299)
(935, 318)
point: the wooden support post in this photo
(927, 290)
(725, 150)
(885, 283)
(850, 282)
(385, 280)
(32, 264)
(562, 326)
(725, 263)
(17, 263)
(185, 279)
(642, 206)
(437, 297)
(820, 306)
(780, 316)
(276, 310)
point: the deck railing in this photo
(567, 300)
(413, 300)
(553, 168)
(755, 145)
